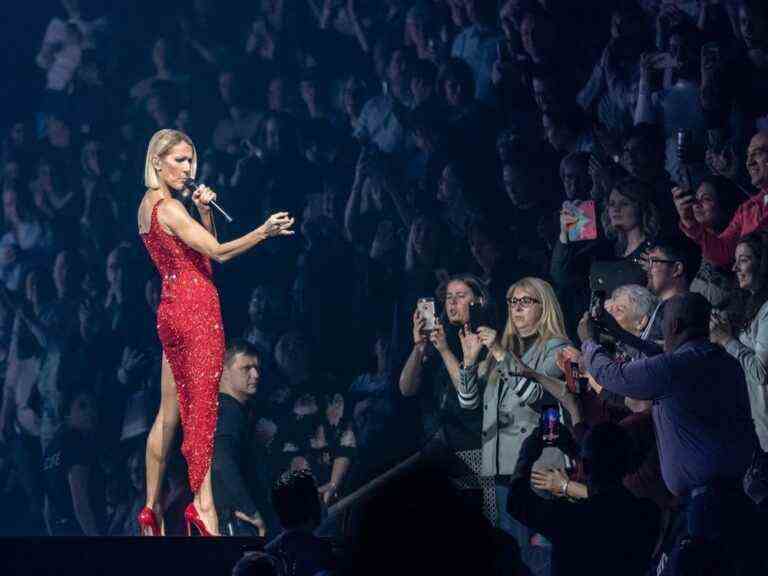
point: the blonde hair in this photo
(161, 143)
(551, 324)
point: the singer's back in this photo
(191, 331)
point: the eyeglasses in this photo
(652, 261)
(524, 302)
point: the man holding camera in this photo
(705, 432)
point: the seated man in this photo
(237, 476)
(297, 505)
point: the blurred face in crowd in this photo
(257, 305)
(276, 94)
(536, 35)
(415, 30)
(352, 97)
(373, 189)
(176, 166)
(525, 311)
(746, 266)
(160, 53)
(544, 95)
(241, 377)
(638, 158)
(683, 52)
(92, 151)
(58, 132)
(11, 171)
(90, 323)
(421, 89)
(706, 208)
(757, 160)
(136, 470)
(455, 93)
(381, 351)
(82, 413)
(623, 213)
(114, 268)
(508, 18)
(293, 355)
(576, 179)
(272, 136)
(10, 208)
(458, 296)
(62, 271)
(424, 237)
(397, 68)
(517, 186)
(484, 250)
(226, 84)
(308, 91)
(183, 120)
(32, 286)
(449, 187)
(663, 272)
(752, 27)
(623, 310)
(558, 135)
(18, 134)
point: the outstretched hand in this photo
(279, 225)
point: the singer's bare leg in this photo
(161, 438)
(204, 503)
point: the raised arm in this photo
(410, 377)
(175, 218)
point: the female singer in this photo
(188, 321)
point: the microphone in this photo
(191, 185)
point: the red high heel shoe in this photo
(193, 519)
(148, 524)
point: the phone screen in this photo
(550, 425)
(426, 308)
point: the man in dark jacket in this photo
(239, 487)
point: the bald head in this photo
(686, 317)
(757, 160)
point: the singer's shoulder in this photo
(170, 209)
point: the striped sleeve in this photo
(468, 391)
(528, 391)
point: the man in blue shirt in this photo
(701, 414)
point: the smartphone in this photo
(550, 425)
(571, 370)
(426, 308)
(477, 316)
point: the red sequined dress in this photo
(191, 332)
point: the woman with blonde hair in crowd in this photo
(511, 402)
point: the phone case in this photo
(426, 308)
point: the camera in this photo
(573, 379)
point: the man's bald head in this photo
(686, 317)
(757, 159)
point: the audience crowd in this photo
(580, 187)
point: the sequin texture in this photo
(191, 332)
